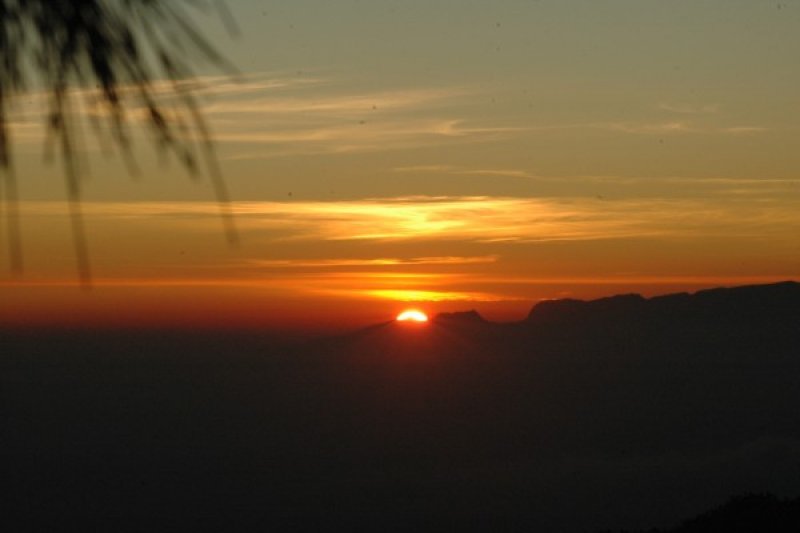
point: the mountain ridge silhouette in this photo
(620, 413)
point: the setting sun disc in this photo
(412, 315)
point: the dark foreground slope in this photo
(617, 413)
(746, 513)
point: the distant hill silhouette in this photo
(565, 311)
(620, 413)
(714, 307)
(463, 317)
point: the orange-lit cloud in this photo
(360, 136)
(462, 171)
(379, 262)
(401, 295)
(294, 115)
(671, 127)
(479, 219)
(334, 105)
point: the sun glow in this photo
(412, 315)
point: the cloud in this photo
(689, 180)
(670, 127)
(360, 136)
(690, 109)
(430, 296)
(446, 169)
(28, 114)
(648, 128)
(508, 173)
(366, 281)
(295, 115)
(467, 219)
(607, 186)
(633, 279)
(463, 171)
(738, 130)
(377, 262)
(681, 186)
(675, 127)
(208, 86)
(325, 119)
(458, 218)
(337, 105)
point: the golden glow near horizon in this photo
(652, 163)
(412, 315)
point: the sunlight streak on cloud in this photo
(379, 262)
(468, 219)
(430, 296)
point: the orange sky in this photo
(372, 171)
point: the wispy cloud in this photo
(446, 169)
(431, 295)
(337, 105)
(669, 127)
(324, 118)
(360, 136)
(268, 115)
(689, 180)
(708, 187)
(468, 219)
(29, 116)
(464, 171)
(743, 130)
(508, 173)
(677, 126)
(378, 262)
(208, 86)
(648, 128)
(610, 186)
(689, 109)
(346, 282)
(406, 287)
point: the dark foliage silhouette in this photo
(109, 59)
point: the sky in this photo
(447, 155)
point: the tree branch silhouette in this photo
(114, 57)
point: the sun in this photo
(412, 315)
